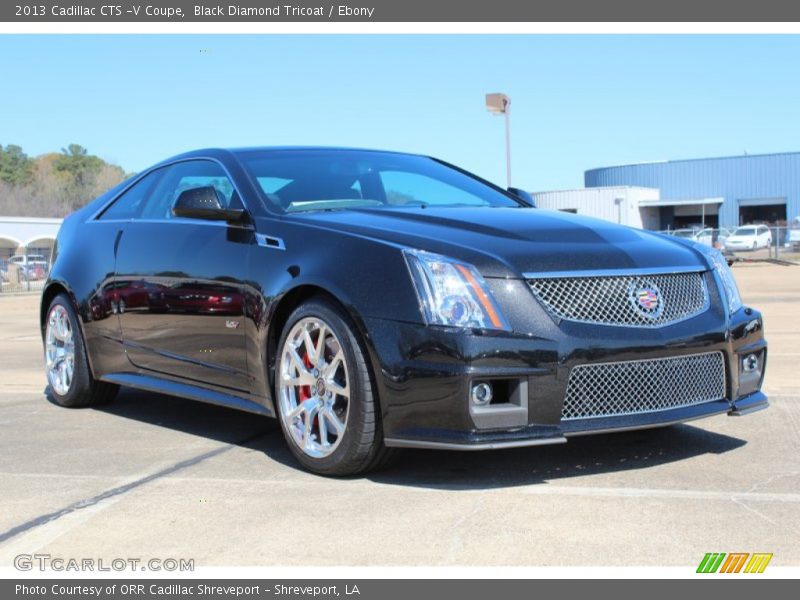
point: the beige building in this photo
(31, 235)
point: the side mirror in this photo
(523, 195)
(204, 203)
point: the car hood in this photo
(507, 242)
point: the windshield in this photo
(304, 180)
(745, 231)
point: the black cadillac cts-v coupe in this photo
(376, 300)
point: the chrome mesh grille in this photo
(613, 300)
(643, 386)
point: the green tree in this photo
(15, 166)
(79, 170)
(78, 165)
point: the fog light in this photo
(750, 363)
(481, 394)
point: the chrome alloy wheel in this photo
(314, 390)
(59, 350)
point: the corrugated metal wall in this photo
(736, 178)
(600, 203)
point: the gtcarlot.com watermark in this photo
(47, 562)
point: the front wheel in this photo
(71, 381)
(325, 395)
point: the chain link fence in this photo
(749, 243)
(25, 271)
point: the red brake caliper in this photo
(305, 390)
(305, 393)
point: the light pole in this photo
(500, 104)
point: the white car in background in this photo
(712, 237)
(793, 235)
(32, 266)
(687, 234)
(749, 237)
(708, 235)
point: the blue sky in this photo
(578, 102)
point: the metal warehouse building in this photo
(719, 192)
(627, 205)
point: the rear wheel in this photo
(325, 394)
(71, 381)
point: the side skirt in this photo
(185, 390)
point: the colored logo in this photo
(646, 299)
(735, 562)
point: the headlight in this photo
(452, 293)
(730, 289)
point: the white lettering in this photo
(355, 11)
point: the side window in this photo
(188, 175)
(130, 204)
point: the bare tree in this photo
(58, 184)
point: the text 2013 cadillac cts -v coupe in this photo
(376, 300)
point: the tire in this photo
(70, 381)
(334, 383)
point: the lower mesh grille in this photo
(642, 386)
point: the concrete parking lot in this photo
(153, 476)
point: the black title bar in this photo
(182, 11)
(375, 589)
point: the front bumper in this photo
(738, 245)
(425, 374)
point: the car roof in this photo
(222, 153)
